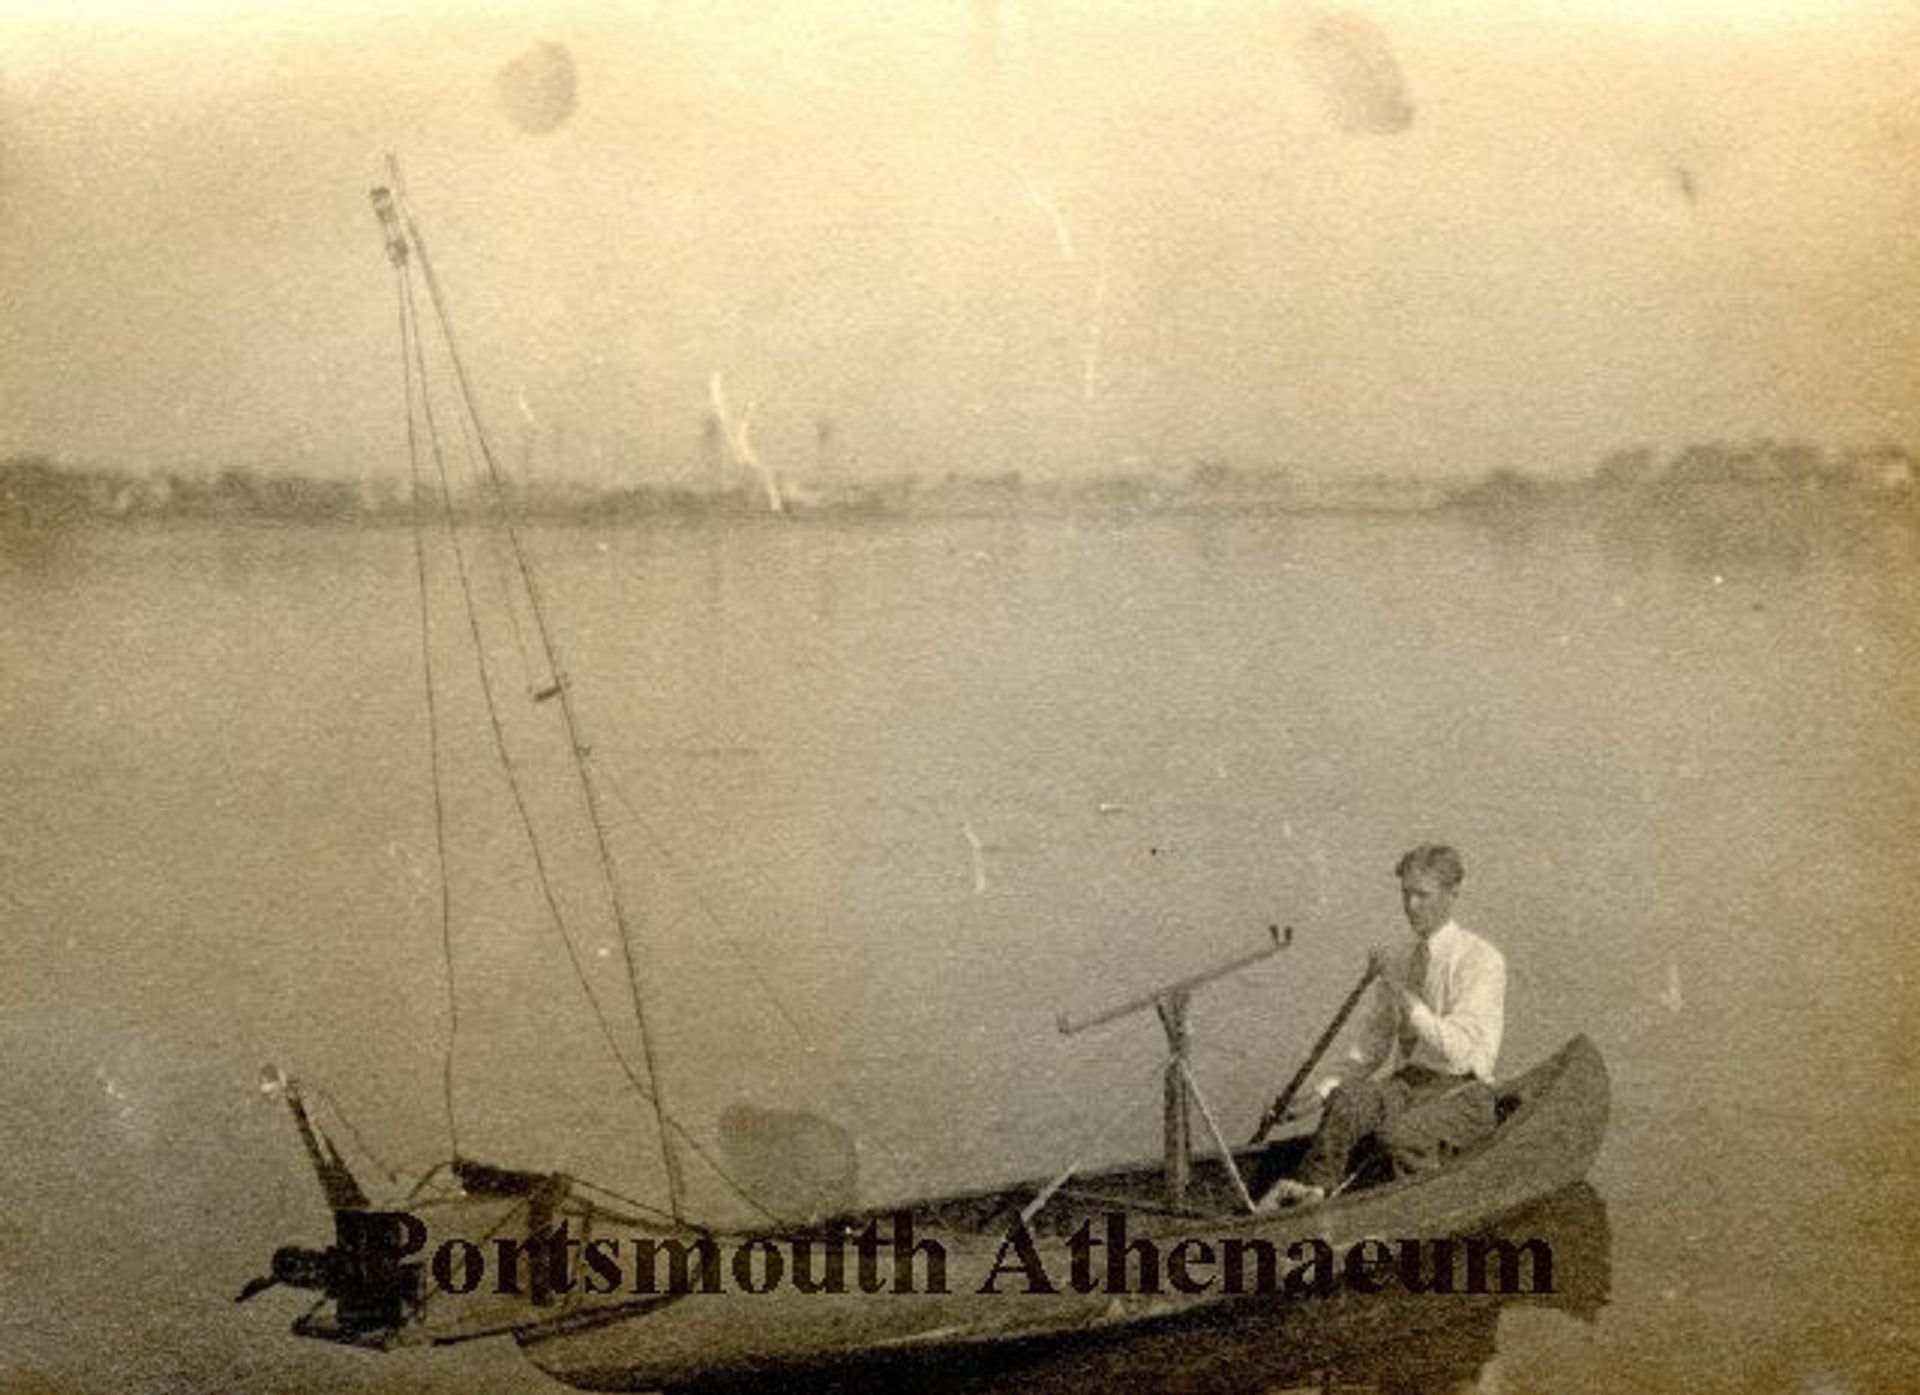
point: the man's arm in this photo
(1369, 1051)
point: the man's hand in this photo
(1401, 997)
(1302, 1106)
(1308, 1102)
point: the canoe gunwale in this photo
(1546, 1140)
(992, 1208)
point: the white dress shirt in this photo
(1455, 1026)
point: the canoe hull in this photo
(994, 1294)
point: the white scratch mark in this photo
(737, 433)
(115, 1093)
(1670, 995)
(1043, 201)
(1104, 807)
(979, 861)
(525, 410)
(1090, 373)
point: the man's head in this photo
(1430, 875)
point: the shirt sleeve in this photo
(1467, 1037)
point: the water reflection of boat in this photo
(1393, 1342)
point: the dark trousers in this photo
(1418, 1118)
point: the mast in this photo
(403, 236)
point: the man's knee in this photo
(1410, 1146)
(1355, 1107)
(1422, 1138)
(1405, 1133)
(1352, 1097)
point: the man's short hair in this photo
(1436, 858)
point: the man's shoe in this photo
(1287, 1192)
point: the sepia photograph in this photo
(1044, 696)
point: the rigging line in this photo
(534, 686)
(738, 1187)
(430, 1178)
(1108, 1125)
(443, 1193)
(578, 746)
(667, 1122)
(712, 917)
(585, 1185)
(433, 706)
(1231, 1052)
(700, 901)
(499, 573)
(493, 717)
(325, 1096)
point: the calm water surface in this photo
(888, 799)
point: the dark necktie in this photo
(1417, 981)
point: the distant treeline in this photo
(37, 491)
(1640, 470)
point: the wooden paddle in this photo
(1278, 1109)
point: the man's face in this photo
(1427, 900)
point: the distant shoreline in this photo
(37, 492)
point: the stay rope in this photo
(433, 710)
(576, 744)
(706, 912)
(417, 381)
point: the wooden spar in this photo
(342, 1188)
(403, 237)
(1280, 939)
(1219, 1138)
(1177, 1122)
(1170, 1002)
(1045, 1194)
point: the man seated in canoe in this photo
(1438, 1008)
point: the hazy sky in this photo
(966, 234)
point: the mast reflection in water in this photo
(1394, 1342)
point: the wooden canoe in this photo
(1552, 1121)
